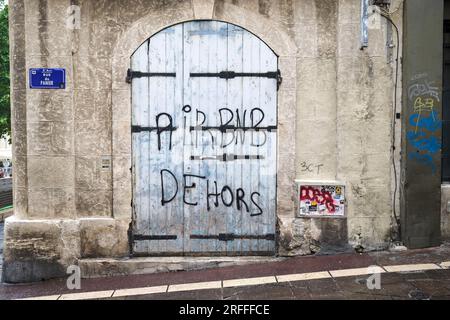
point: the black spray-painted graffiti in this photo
(226, 195)
(159, 129)
(233, 127)
(310, 167)
(234, 124)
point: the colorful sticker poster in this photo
(322, 200)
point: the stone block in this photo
(121, 107)
(93, 138)
(327, 19)
(122, 172)
(306, 39)
(373, 169)
(314, 104)
(50, 10)
(203, 9)
(32, 250)
(40, 204)
(42, 40)
(50, 138)
(349, 43)
(17, 11)
(49, 106)
(329, 235)
(84, 73)
(316, 166)
(19, 138)
(84, 105)
(371, 138)
(51, 204)
(18, 78)
(369, 233)
(103, 238)
(121, 138)
(293, 237)
(368, 201)
(51, 172)
(316, 73)
(92, 105)
(18, 105)
(319, 136)
(63, 203)
(104, 38)
(20, 201)
(20, 171)
(445, 213)
(93, 203)
(349, 11)
(90, 175)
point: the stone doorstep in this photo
(97, 268)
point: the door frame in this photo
(282, 45)
(135, 217)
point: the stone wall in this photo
(335, 112)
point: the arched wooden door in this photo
(204, 128)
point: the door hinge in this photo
(231, 75)
(138, 74)
(232, 237)
(140, 237)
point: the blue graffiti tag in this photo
(425, 159)
(422, 143)
(429, 123)
(420, 136)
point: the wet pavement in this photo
(428, 285)
(433, 284)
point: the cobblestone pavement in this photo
(428, 285)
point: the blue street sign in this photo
(54, 78)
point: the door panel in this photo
(204, 142)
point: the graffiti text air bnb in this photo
(241, 127)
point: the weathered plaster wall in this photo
(335, 112)
(445, 212)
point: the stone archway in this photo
(265, 29)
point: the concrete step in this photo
(95, 268)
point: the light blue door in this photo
(204, 123)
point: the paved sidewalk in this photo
(277, 280)
(427, 285)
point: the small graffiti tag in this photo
(423, 88)
(311, 167)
